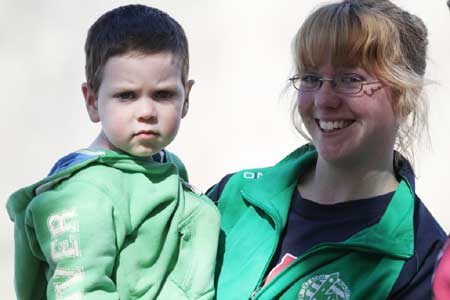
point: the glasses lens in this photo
(296, 82)
(348, 84)
(309, 82)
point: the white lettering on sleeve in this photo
(64, 248)
(62, 223)
(64, 279)
(77, 296)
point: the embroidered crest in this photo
(324, 287)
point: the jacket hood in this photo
(75, 161)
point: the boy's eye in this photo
(164, 95)
(126, 96)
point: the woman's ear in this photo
(90, 101)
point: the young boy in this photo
(118, 220)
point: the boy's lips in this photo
(146, 133)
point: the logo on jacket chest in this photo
(324, 287)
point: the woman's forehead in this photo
(333, 60)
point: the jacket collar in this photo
(273, 190)
(394, 233)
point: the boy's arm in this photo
(73, 230)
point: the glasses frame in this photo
(297, 77)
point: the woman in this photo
(339, 218)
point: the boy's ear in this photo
(187, 90)
(90, 101)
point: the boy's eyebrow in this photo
(167, 84)
(158, 86)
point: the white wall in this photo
(240, 59)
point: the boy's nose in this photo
(146, 110)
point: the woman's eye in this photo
(126, 96)
(351, 78)
(309, 78)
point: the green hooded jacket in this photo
(112, 226)
(254, 205)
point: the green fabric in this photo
(171, 157)
(114, 227)
(254, 206)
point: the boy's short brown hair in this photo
(133, 28)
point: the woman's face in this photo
(349, 128)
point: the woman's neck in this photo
(328, 183)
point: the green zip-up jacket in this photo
(112, 226)
(254, 205)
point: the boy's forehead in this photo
(167, 58)
(174, 58)
(132, 66)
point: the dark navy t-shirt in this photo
(310, 224)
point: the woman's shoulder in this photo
(414, 281)
(426, 227)
(237, 180)
(286, 166)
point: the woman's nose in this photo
(326, 97)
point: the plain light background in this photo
(239, 115)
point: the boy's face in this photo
(140, 103)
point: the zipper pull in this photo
(252, 296)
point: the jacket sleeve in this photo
(414, 281)
(72, 230)
(416, 277)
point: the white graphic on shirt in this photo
(252, 175)
(324, 287)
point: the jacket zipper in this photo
(266, 210)
(252, 296)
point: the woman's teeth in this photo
(333, 125)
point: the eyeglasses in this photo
(347, 83)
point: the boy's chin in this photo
(142, 153)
